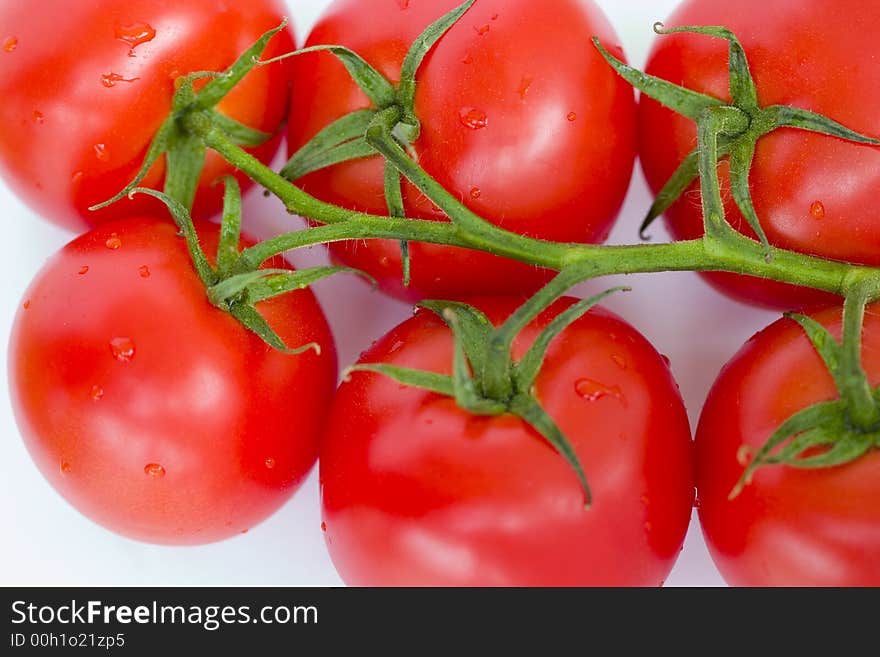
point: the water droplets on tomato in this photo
(592, 391)
(524, 86)
(26, 304)
(620, 361)
(101, 152)
(482, 29)
(113, 242)
(473, 118)
(134, 35)
(571, 116)
(476, 193)
(109, 80)
(817, 210)
(270, 463)
(154, 470)
(144, 271)
(83, 270)
(10, 43)
(323, 526)
(65, 467)
(666, 360)
(38, 117)
(403, 4)
(96, 393)
(122, 349)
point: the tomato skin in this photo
(814, 194)
(789, 527)
(416, 491)
(151, 411)
(553, 159)
(74, 135)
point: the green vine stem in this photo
(733, 253)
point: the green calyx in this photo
(185, 152)
(235, 288)
(836, 432)
(725, 130)
(485, 379)
(393, 107)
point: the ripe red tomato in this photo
(418, 492)
(83, 100)
(521, 119)
(151, 411)
(814, 194)
(789, 527)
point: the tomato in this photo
(521, 119)
(151, 411)
(416, 491)
(82, 104)
(789, 527)
(813, 194)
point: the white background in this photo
(45, 542)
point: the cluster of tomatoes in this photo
(161, 417)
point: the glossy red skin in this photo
(202, 396)
(789, 527)
(535, 172)
(418, 492)
(806, 53)
(56, 109)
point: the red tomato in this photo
(86, 85)
(814, 194)
(538, 139)
(151, 411)
(789, 527)
(418, 492)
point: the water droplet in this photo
(113, 242)
(524, 86)
(473, 118)
(403, 4)
(245, 531)
(744, 455)
(323, 526)
(109, 80)
(384, 262)
(154, 470)
(83, 270)
(65, 467)
(467, 59)
(817, 210)
(482, 29)
(594, 391)
(77, 177)
(620, 361)
(101, 152)
(38, 117)
(122, 349)
(571, 116)
(270, 463)
(476, 193)
(144, 271)
(494, 17)
(666, 360)
(26, 304)
(135, 34)
(96, 393)
(10, 43)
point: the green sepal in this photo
(424, 43)
(825, 344)
(230, 226)
(526, 370)
(473, 327)
(324, 149)
(679, 99)
(430, 381)
(782, 116)
(742, 84)
(220, 86)
(238, 133)
(184, 223)
(185, 159)
(741, 156)
(284, 281)
(394, 201)
(531, 412)
(379, 90)
(256, 323)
